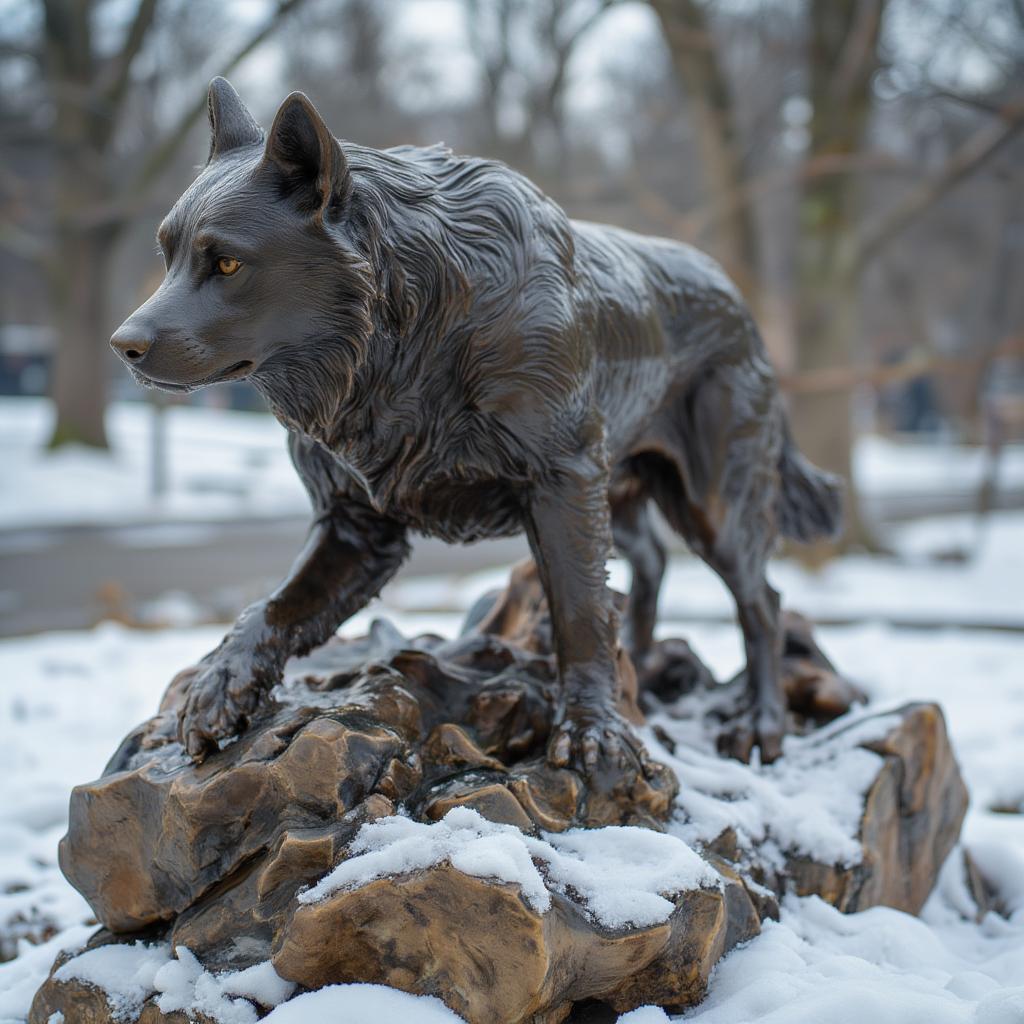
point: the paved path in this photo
(71, 577)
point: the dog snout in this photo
(130, 343)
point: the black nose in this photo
(130, 345)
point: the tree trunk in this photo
(842, 58)
(82, 363)
(78, 267)
(695, 60)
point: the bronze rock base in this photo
(216, 857)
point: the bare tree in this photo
(698, 65)
(89, 87)
(833, 247)
(842, 57)
(525, 48)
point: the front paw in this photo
(591, 740)
(623, 785)
(223, 693)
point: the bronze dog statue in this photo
(452, 355)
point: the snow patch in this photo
(362, 1004)
(621, 873)
(126, 974)
(808, 803)
(645, 1015)
(184, 984)
(129, 975)
(880, 965)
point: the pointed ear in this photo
(231, 124)
(303, 149)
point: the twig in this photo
(967, 159)
(176, 136)
(846, 378)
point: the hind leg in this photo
(762, 722)
(717, 482)
(738, 552)
(634, 536)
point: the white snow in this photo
(644, 1015)
(183, 984)
(126, 974)
(619, 873)
(362, 1004)
(129, 974)
(912, 466)
(473, 845)
(225, 464)
(66, 699)
(221, 464)
(809, 802)
(22, 976)
(880, 966)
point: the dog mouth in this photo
(234, 372)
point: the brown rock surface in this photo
(912, 817)
(214, 857)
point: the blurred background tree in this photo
(86, 113)
(855, 164)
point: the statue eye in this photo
(228, 265)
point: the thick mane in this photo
(435, 250)
(441, 229)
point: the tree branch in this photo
(171, 142)
(967, 159)
(120, 70)
(9, 48)
(846, 378)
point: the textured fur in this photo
(454, 356)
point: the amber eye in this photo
(228, 265)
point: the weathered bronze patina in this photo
(452, 355)
(215, 857)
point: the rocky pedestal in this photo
(389, 817)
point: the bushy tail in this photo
(810, 500)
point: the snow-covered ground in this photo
(221, 464)
(987, 589)
(67, 698)
(225, 464)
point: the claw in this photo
(771, 746)
(763, 729)
(561, 749)
(596, 741)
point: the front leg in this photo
(350, 554)
(569, 529)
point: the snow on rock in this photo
(362, 1004)
(619, 873)
(809, 802)
(126, 974)
(396, 845)
(622, 872)
(184, 984)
